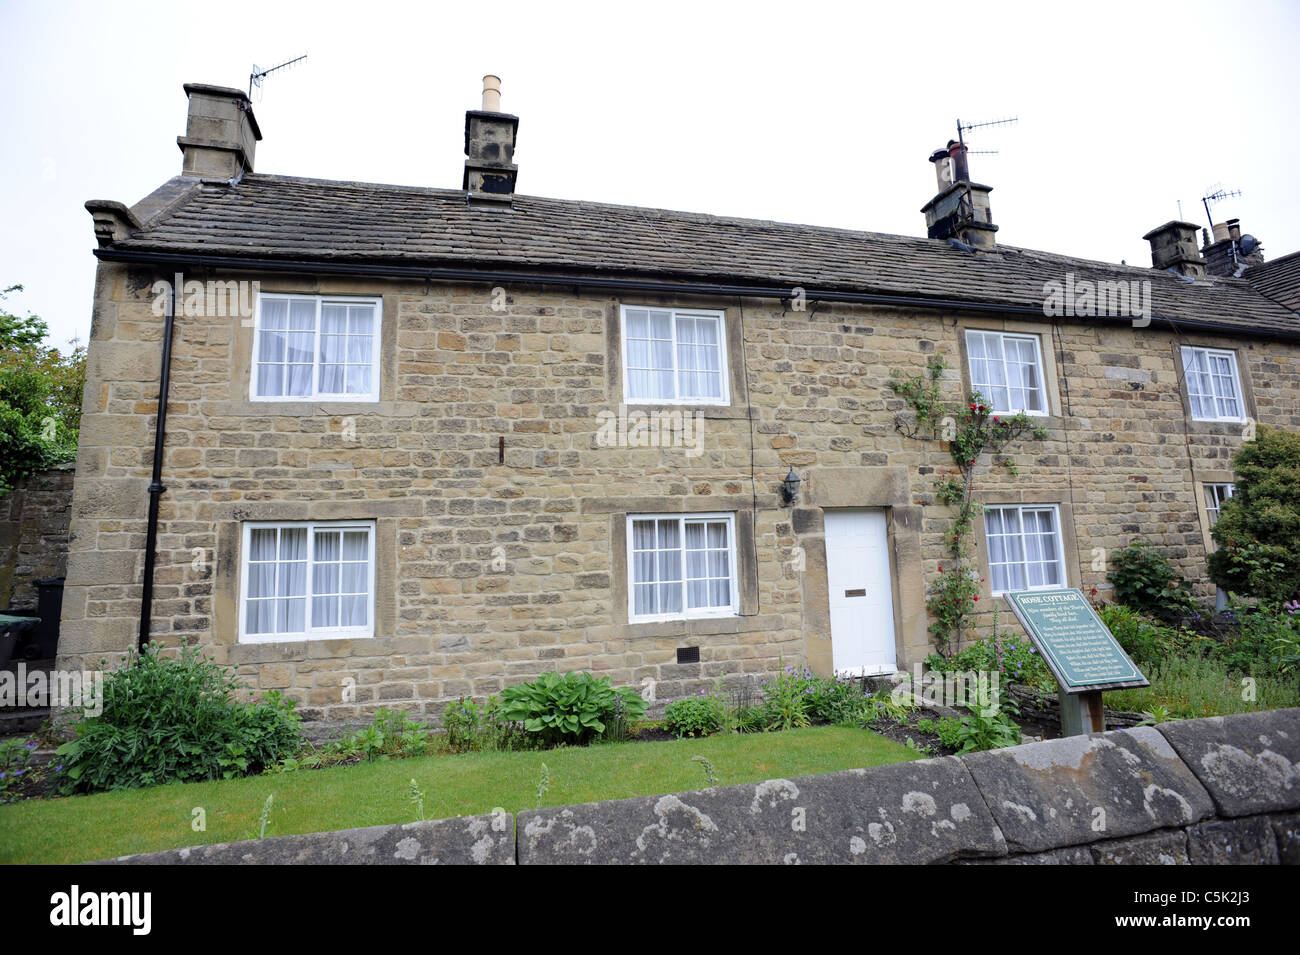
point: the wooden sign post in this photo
(1080, 651)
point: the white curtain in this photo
(1225, 382)
(260, 613)
(1199, 390)
(643, 568)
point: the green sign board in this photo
(1081, 652)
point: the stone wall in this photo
(34, 534)
(1217, 791)
(492, 572)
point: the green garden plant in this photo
(972, 431)
(570, 709)
(176, 719)
(1145, 580)
(1259, 525)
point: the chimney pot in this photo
(491, 94)
(1234, 230)
(960, 210)
(490, 171)
(1220, 231)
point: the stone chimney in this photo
(1173, 249)
(490, 171)
(1230, 253)
(961, 209)
(221, 133)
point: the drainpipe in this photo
(155, 485)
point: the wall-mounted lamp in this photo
(790, 488)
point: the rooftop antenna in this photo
(962, 128)
(255, 78)
(1212, 195)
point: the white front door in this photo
(861, 592)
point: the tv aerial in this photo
(256, 77)
(1214, 194)
(963, 128)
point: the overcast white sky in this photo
(820, 113)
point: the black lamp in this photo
(790, 488)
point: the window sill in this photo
(315, 636)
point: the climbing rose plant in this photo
(972, 431)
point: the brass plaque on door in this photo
(860, 592)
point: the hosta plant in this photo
(574, 708)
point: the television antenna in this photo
(255, 78)
(963, 128)
(1214, 194)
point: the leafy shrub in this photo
(1148, 641)
(695, 715)
(573, 708)
(1145, 580)
(985, 728)
(176, 719)
(1259, 525)
(785, 700)
(390, 735)
(1014, 659)
(473, 727)
(1260, 637)
(15, 761)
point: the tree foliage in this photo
(1258, 531)
(40, 396)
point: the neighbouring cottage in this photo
(420, 443)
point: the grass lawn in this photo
(84, 828)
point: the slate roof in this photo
(267, 216)
(1279, 280)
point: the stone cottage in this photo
(420, 443)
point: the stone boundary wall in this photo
(1223, 790)
(34, 520)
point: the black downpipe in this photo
(155, 485)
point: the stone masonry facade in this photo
(34, 520)
(491, 571)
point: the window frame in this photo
(1060, 546)
(1039, 363)
(1186, 351)
(1220, 498)
(308, 633)
(733, 555)
(724, 368)
(320, 302)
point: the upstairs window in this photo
(1007, 371)
(1213, 388)
(681, 566)
(674, 356)
(1024, 547)
(307, 581)
(312, 347)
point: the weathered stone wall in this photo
(809, 390)
(34, 534)
(1218, 791)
